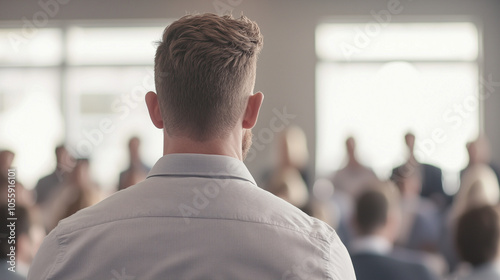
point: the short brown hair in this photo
(204, 70)
(374, 205)
(372, 209)
(477, 235)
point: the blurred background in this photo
(369, 69)
(369, 83)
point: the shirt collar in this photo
(201, 165)
(371, 244)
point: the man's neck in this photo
(228, 146)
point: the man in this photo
(351, 179)
(349, 182)
(431, 177)
(199, 213)
(47, 186)
(376, 221)
(136, 170)
(421, 223)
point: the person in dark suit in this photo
(137, 170)
(375, 221)
(430, 176)
(49, 185)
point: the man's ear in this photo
(154, 109)
(252, 110)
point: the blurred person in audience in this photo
(137, 170)
(376, 221)
(349, 182)
(430, 176)
(287, 184)
(323, 207)
(477, 238)
(421, 219)
(478, 187)
(47, 186)
(199, 214)
(77, 192)
(479, 152)
(354, 176)
(23, 235)
(292, 153)
(22, 195)
(289, 178)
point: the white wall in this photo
(287, 64)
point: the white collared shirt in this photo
(194, 217)
(371, 244)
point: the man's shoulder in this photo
(240, 202)
(236, 220)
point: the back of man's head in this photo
(477, 235)
(204, 70)
(372, 209)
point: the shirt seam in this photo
(328, 256)
(206, 218)
(220, 177)
(59, 257)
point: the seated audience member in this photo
(480, 153)
(287, 184)
(430, 176)
(420, 219)
(199, 214)
(376, 222)
(14, 264)
(349, 182)
(47, 186)
(292, 153)
(322, 205)
(289, 178)
(478, 187)
(477, 238)
(137, 170)
(77, 192)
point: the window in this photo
(83, 83)
(378, 82)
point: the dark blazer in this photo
(432, 183)
(369, 266)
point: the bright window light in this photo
(397, 41)
(31, 124)
(380, 95)
(37, 47)
(119, 45)
(122, 90)
(100, 74)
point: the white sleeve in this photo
(45, 259)
(340, 264)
